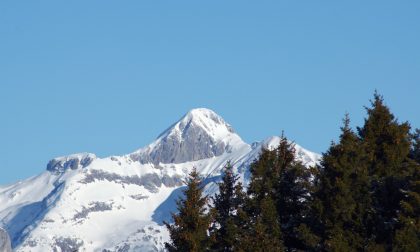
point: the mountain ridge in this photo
(81, 201)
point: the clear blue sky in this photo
(108, 76)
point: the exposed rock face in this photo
(150, 181)
(195, 144)
(73, 162)
(200, 134)
(66, 244)
(5, 245)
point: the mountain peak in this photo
(201, 111)
(204, 118)
(204, 114)
(199, 134)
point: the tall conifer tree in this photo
(279, 201)
(293, 193)
(343, 194)
(228, 213)
(387, 145)
(189, 230)
(264, 233)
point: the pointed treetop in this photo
(379, 117)
(346, 121)
(378, 103)
(378, 98)
(346, 124)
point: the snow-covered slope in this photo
(85, 203)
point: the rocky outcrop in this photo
(73, 162)
(150, 181)
(5, 245)
(195, 144)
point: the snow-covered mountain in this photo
(85, 203)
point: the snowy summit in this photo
(200, 134)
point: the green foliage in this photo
(387, 142)
(343, 194)
(189, 231)
(227, 228)
(279, 201)
(264, 222)
(407, 235)
(293, 195)
(387, 146)
(363, 196)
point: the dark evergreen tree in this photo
(191, 223)
(264, 232)
(407, 235)
(293, 195)
(387, 145)
(279, 201)
(227, 229)
(343, 197)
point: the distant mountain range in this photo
(85, 203)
